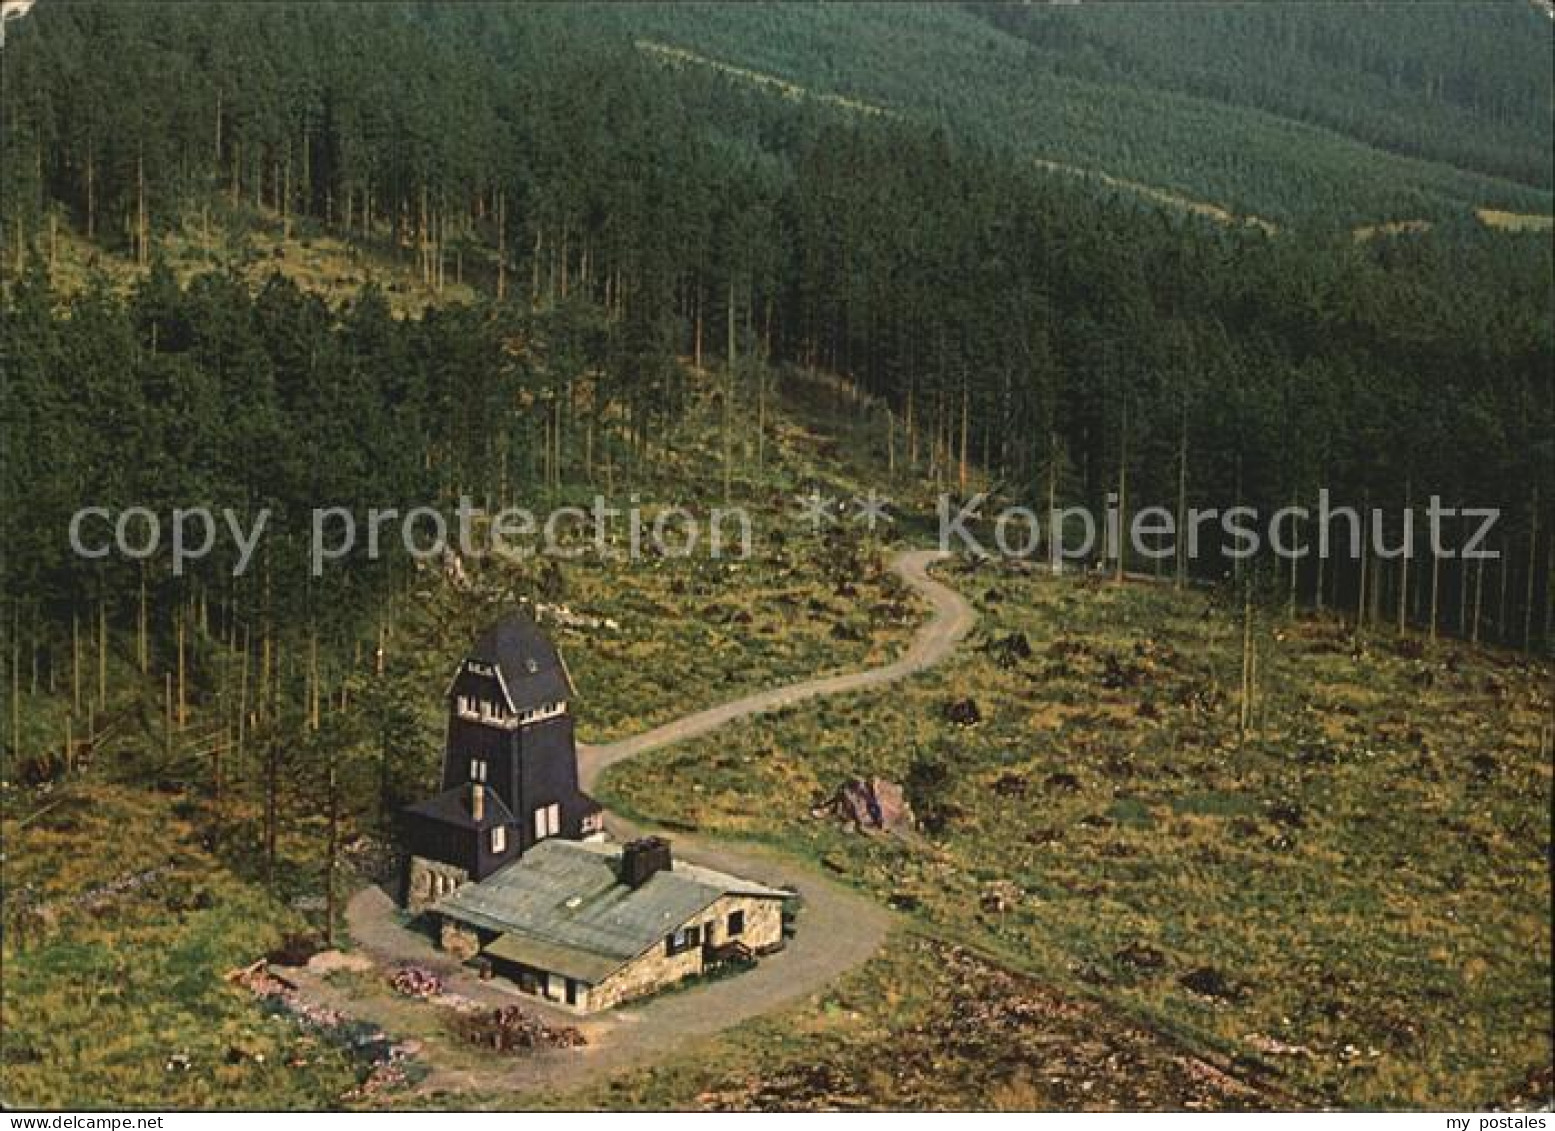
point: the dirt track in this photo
(936, 640)
(838, 929)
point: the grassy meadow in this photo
(1351, 902)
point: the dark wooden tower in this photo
(510, 753)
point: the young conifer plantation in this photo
(267, 258)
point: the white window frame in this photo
(478, 769)
(548, 821)
(542, 712)
(499, 838)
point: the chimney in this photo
(642, 859)
(477, 801)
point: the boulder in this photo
(870, 805)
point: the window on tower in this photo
(548, 821)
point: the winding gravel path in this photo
(952, 620)
(838, 928)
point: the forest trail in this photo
(669, 53)
(838, 928)
(786, 88)
(952, 619)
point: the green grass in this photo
(120, 1002)
(257, 245)
(1367, 871)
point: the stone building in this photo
(509, 862)
(591, 925)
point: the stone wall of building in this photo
(656, 969)
(427, 881)
(460, 942)
(763, 922)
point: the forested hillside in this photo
(1465, 84)
(995, 239)
(1017, 325)
(1310, 114)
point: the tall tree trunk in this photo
(272, 784)
(142, 641)
(1245, 713)
(696, 333)
(16, 683)
(534, 268)
(217, 788)
(313, 680)
(1290, 604)
(502, 245)
(167, 714)
(1505, 563)
(1317, 587)
(102, 652)
(1403, 561)
(728, 406)
(266, 665)
(1055, 541)
(1479, 598)
(1533, 552)
(1549, 591)
(142, 219)
(1122, 546)
(1436, 581)
(1463, 583)
(91, 198)
(423, 252)
(181, 621)
(890, 439)
(75, 663)
(966, 410)
(243, 695)
(1360, 597)
(1182, 498)
(761, 421)
(331, 855)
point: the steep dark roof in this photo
(531, 667)
(452, 807)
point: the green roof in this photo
(561, 901)
(567, 961)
